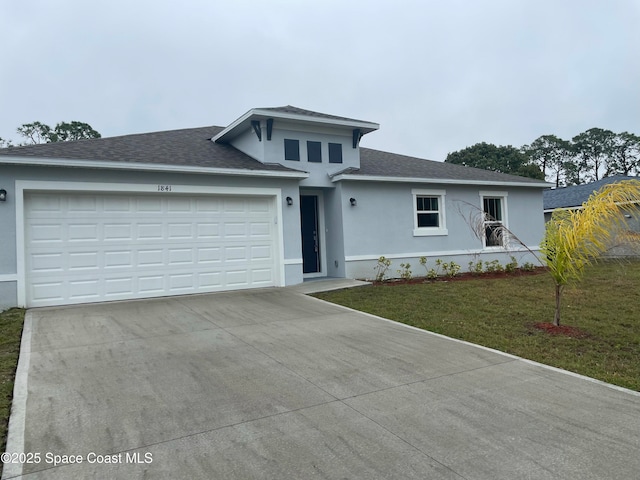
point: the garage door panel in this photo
(83, 232)
(180, 256)
(149, 231)
(117, 232)
(47, 262)
(117, 205)
(83, 261)
(179, 231)
(117, 259)
(46, 233)
(149, 204)
(82, 204)
(121, 287)
(114, 247)
(208, 231)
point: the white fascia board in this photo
(147, 167)
(370, 126)
(367, 127)
(448, 181)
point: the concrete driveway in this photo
(273, 384)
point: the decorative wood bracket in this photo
(357, 135)
(269, 128)
(256, 128)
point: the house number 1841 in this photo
(164, 188)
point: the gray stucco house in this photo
(278, 196)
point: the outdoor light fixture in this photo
(289, 201)
(3, 195)
(353, 202)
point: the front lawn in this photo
(503, 313)
(10, 332)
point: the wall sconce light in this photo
(289, 201)
(353, 202)
(3, 195)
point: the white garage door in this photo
(88, 248)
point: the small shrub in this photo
(381, 268)
(432, 274)
(511, 266)
(528, 267)
(476, 268)
(405, 271)
(450, 269)
(494, 267)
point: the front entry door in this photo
(310, 234)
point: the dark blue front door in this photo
(310, 234)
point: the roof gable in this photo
(290, 113)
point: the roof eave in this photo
(244, 121)
(450, 181)
(148, 167)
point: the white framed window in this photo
(494, 220)
(428, 212)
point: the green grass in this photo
(10, 332)
(501, 314)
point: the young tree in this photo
(575, 238)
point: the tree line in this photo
(38, 132)
(589, 156)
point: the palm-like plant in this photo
(574, 239)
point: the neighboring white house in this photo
(278, 196)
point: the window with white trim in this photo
(428, 212)
(494, 219)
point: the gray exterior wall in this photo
(272, 151)
(10, 174)
(354, 236)
(382, 225)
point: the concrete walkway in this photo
(273, 384)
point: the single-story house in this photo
(572, 198)
(278, 196)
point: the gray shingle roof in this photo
(576, 195)
(190, 147)
(384, 164)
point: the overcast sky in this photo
(437, 75)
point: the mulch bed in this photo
(461, 277)
(565, 330)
